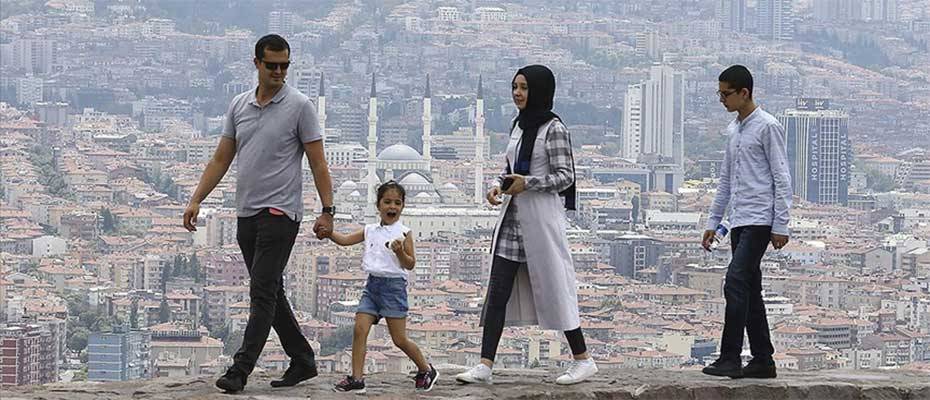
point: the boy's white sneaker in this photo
(578, 371)
(478, 374)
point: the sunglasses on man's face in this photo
(271, 66)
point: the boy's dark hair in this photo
(271, 42)
(738, 77)
(389, 185)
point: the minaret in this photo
(479, 145)
(321, 107)
(372, 148)
(427, 121)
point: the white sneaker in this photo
(477, 374)
(579, 371)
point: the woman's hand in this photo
(493, 195)
(519, 184)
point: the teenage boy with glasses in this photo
(755, 193)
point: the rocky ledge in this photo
(522, 384)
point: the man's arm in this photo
(212, 174)
(216, 168)
(722, 198)
(777, 154)
(320, 169)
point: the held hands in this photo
(323, 227)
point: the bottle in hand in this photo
(723, 228)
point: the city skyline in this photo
(110, 109)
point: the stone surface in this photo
(522, 385)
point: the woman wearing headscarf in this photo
(532, 278)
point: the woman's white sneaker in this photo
(578, 371)
(478, 374)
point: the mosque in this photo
(411, 169)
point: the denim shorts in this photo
(384, 297)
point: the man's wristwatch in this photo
(329, 210)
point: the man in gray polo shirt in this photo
(269, 129)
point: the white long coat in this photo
(545, 291)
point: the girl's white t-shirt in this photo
(378, 259)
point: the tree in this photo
(339, 340)
(108, 221)
(194, 266)
(164, 312)
(29, 268)
(635, 202)
(78, 340)
(232, 343)
(134, 314)
(180, 266)
(609, 149)
(879, 182)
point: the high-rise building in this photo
(348, 122)
(880, 10)
(372, 179)
(29, 90)
(119, 356)
(818, 150)
(52, 113)
(282, 22)
(632, 253)
(632, 122)
(653, 117)
(647, 45)
(775, 19)
(306, 80)
(28, 355)
(480, 142)
(321, 105)
(35, 56)
(838, 10)
(856, 10)
(732, 14)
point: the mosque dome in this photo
(348, 186)
(376, 178)
(414, 179)
(399, 152)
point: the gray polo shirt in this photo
(269, 150)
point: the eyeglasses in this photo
(271, 66)
(723, 95)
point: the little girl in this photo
(389, 254)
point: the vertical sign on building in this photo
(813, 164)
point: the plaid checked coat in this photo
(545, 290)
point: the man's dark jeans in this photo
(743, 293)
(266, 241)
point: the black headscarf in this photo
(541, 89)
